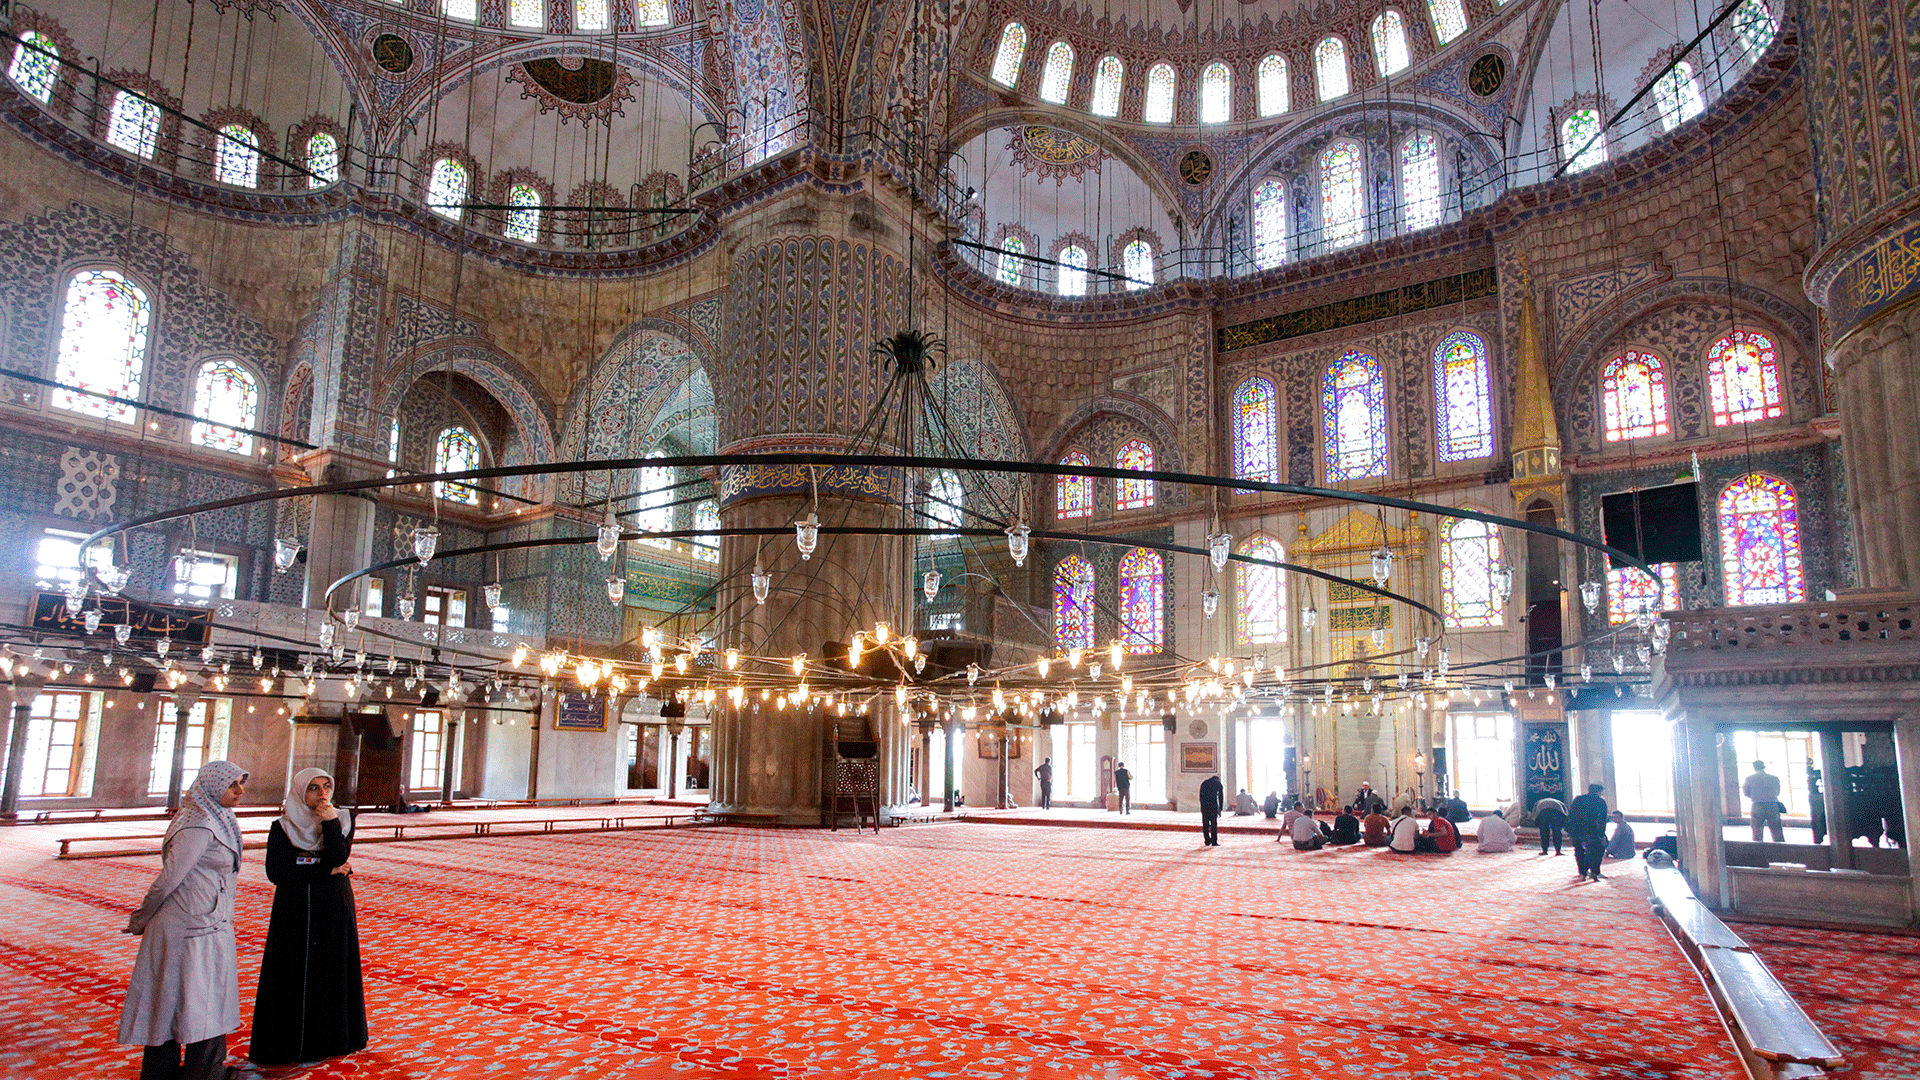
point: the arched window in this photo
(591, 16)
(1760, 542)
(1469, 556)
(1630, 592)
(1269, 225)
(1073, 603)
(1142, 586)
(1754, 27)
(706, 518)
(1343, 196)
(1273, 85)
(1011, 248)
(1216, 93)
(1743, 379)
(653, 502)
(1677, 95)
(1420, 181)
(1133, 493)
(1072, 277)
(1056, 75)
(1012, 50)
(237, 157)
(1107, 80)
(1354, 421)
(1462, 405)
(656, 13)
(1330, 68)
(456, 450)
(103, 344)
(946, 501)
(35, 68)
(1136, 262)
(447, 190)
(523, 222)
(466, 10)
(133, 124)
(1256, 431)
(1161, 83)
(1582, 144)
(1449, 19)
(1390, 43)
(1633, 396)
(1262, 600)
(226, 398)
(323, 160)
(528, 13)
(1073, 495)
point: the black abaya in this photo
(310, 1003)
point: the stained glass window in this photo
(133, 124)
(1330, 67)
(656, 13)
(1273, 85)
(467, 10)
(528, 13)
(653, 502)
(323, 160)
(34, 66)
(1136, 262)
(1390, 43)
(1449, 19)
(226, 397)
(1343, 196)
(1142, 585)
(447, 190)
(1073, 603)
(523, 224)
(1133, 493)
(706, 518)
(1073, 495)
(1469, 556)
(1160, 86)
(1420, 181)
(1760, 542)
(1269, 225)
(1011, 248)
(237, 157)
(103, 344)
(1582, 144)
(1073, 270)
(1355, 421)
(1256, 441)
(1056, 75)
(456, 450)
(1629, 591)
(1633, 393)
(1262, 600)
(591, 16)
(1006, 59)
(945, 500)
(1216, 94)
(1107, 79)
(1677, 95)
(1743, 379)
(1461, 401)
(1754, 27)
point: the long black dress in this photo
(310, 1004)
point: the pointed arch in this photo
(1260, 602)
(1633, 394)
(1073, 603)
(1760, 542)
(1142, 612)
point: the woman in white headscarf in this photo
(310, 1004)
(185, 994)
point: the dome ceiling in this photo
(1189, 22)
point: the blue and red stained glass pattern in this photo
(1262, 602)
(1633, 395)
(1133, 494)
(1073, 495)
(227, 399)
(1256, 440)
(1073, 603)
(1760, 542)
(1142, 586)
(1469, 556)
(1354, 406)
(1630, 592)
(456, 450)
(103, 344)
(1461, 402)
(1743, 379)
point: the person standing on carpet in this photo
(184, 995)
(1587, 828)
(1044, 774)
(1550, 817)
(1212, 795)
(311, 1003)
(1123, 786)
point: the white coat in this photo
(185, 987)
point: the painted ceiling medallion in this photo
(1052, 152)
(576, 87)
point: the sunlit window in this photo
(1760, 542)
(1133, 493)
(1216, 93)
(1161, 83)
(1256, 431)
(59, 726)
(1330, 68)
(1743, 379)
(1262, 601)
(237, 158)
(1269, 225)
(1420, 181)
(1469, 560)
(1754, 27)
(1273, 85)
(1463, 408)
(1142, 592)
(133, 124)
(1390, 43)
(1677, 95)
(1633, 396)
(205, 575)
(1582, 144)
(1056, 75)
(1006, 59)
(1354, 418)
(423, 769)
(591, 16)
(323, 160)
(1073, 270)
(946, 501)
(653, 505)
(1136, 262)
(447, 190)
(1631, 592)
(656, 13)
(1073, 597)
(103, 344)
(466, 10)
(1343, 198)
(226, 398)
(527, 13)
(1449, 19)
(207, 725)
(1073, 495)
(456, 450)
(1011, 250)
(706, 519)
(35, 68)
(523, 221)
(1107, 80)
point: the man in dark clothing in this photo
(1587, 828)
(1271, 805)
(1457, 811)
(1550, 817)
(1212, 794)
(1044, 774)
(1123, 785)
(1346, 827)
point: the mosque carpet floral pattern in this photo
(951, 950)
(1860, 988)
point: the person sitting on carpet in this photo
(1308, 833)
(1287, 819)
(1406, 834)
(1441, 835)
(1243, 805)
(1271, 805)
(1375, 827)
(1346, 828)
(1621, 846)
(1457, 811)
(1495, 834)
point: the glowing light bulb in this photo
(799, 663)
(733, 659)
(1044, 665)
(1073, 656)
(910, 646)
(1093, 671)
(973, 674)
(520, 654)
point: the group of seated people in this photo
(1368, 823)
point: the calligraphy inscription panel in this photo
(1544, 761)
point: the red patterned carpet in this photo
(1862, 989)
(953, 950)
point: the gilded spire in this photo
(1534, 426)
